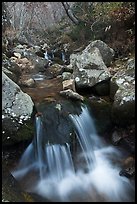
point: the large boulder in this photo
(89, 69)
(106, 52)
(122, 91)
(17, 108)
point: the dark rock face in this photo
(101, 113)
(57, 126)
(11, 191)
(13, 132)
(128, 169)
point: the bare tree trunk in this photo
(70, 13)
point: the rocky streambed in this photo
(92, 77)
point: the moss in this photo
(27, 197)
(26, 131)
(17, 134)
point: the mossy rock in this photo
(14, 133)
(11, 191)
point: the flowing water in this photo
(38, 77)
(55, 176)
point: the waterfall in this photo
(46, 55)
(59, 181)
(49, 55)
(86, 134)
(59, 161)
(63, 56)
(53, 160)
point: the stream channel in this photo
(67, 160)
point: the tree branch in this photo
(70, 13)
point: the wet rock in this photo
(69, 84)
(129, 143)
(128, 169)
(11, 191)
(16, 131)
(116, 138)
(101, 112)
(125, 138)
(72, 95)
(129, 172)
(56, 124)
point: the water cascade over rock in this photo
(51, 170)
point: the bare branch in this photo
(70, 13)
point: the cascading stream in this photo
(57, 178)
(87, 136)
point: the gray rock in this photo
(106, 52)
(131, 64)
(14, 100)
(89, 68)
(66, 75)
(72, 95)
(17, 108)
(11, 69)
(122, 91)
(10, 74)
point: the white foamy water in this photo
(57, 178)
